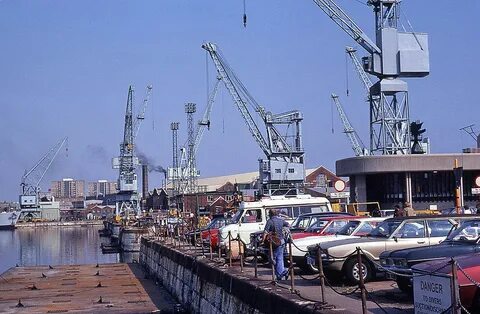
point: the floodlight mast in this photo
(282, 172)
(395, 54)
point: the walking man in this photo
(275, 225)
(408, 209)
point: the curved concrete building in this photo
(423, 180)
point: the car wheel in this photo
(309, 269)
(404, 285)
(352, 271)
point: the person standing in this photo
(398, 212)
(408, 209)
(275, 226)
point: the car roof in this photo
(327, 214)
(472, 217)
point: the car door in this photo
(411, 233)
(438, 230)
(252, 221)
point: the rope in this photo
(476, 283)
(373, 300)
(338, 292)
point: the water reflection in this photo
(54, 246)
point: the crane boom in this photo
(367, 82)
(141, 114)
(32, 178)
(239, 94)
(347, 25)
(357, 144)
(205, 122)
(283, 170)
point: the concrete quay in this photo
(104, 288)
(211, 286)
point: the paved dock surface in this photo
(104, 288)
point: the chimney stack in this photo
(144, 186)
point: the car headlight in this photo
(400, 262)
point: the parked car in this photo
(252, 216)
(453, 210)
(470, 264)
(209, 235)
(391, 234)
(300, 224)
(305, 221)
(465, 239)
(354, 228)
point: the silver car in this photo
(391, 234)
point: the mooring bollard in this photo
(255, 256)
(229, 248)
(321, 274)
(272, 261)
(361, 283)
(240, 252)
(292, 279)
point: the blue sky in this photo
(66, 67)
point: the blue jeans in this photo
(280, 270)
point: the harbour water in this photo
(54, 246)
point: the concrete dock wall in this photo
(204, 286)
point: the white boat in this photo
(8, 219)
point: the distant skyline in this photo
(66, 67)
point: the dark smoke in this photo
(157, 169)
(143, 159)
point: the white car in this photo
(356, 227)
(252, 216)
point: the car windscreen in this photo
(301, 222)
(385, 229)
(349, 228)
(317, 226)
(236, 217)
(468, 231)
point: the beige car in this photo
(391, 234)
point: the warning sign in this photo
(431, 294)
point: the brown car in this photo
(391, 234)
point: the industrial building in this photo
(427, 181)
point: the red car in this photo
(470, 264)
(324, 226)
(210, 233)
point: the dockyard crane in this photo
(32, 178)
(357, 145)
(127, 162)
(283, 169)
(183, 171)
(393, 55)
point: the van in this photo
(252, 216)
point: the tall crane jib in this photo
(392, 55)
(283, 171)
(30, 183)
(127, 162)
(357, 145)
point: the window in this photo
(439, 228)
(334, 226)
(365, 228)
(228, 198)
(252, 215)
(278, 170)
(210, 198)
(411, 229)
(291, 170)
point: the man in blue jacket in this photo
(275, 224)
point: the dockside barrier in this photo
(205, 286)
